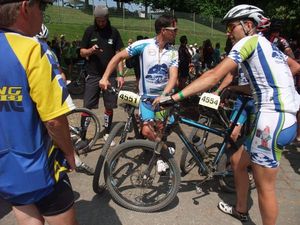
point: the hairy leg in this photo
(265, 179)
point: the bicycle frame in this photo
(221, 133)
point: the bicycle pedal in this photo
(198, 189)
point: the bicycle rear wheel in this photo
(88, 133)
(133, 180)
(187, 162)
(227, 180)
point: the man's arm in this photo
(112, 65)
(225, 83)
(58, 129)
(87, 52)
(173, 75)
(208, 79)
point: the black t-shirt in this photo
(109, 40)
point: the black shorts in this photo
(60, 200)
(92, 93)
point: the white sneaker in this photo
(112, 144)
(161, 166)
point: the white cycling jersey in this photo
(154, 65)
(268, 72)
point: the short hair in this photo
(164, 21)
(183, 39)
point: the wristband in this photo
(218, 91)
(180, 94)
(120, 74)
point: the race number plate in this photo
(210, 100)
(128, 97)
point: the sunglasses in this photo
(172, 28)
(231, 26)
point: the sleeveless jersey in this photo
(31, 92)
(266, 68)
(154, 65)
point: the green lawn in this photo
(73, 22)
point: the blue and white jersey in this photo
(242, 79)
(154, 65)
(268, 72)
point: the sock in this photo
(108, 117)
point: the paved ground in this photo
(188, 208)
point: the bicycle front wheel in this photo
(115, 135)
(83, 135)
(133, 179)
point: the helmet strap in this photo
(249, 32)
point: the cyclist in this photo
(35, 145)
(159, 69)
(42, 36)
(270, 74)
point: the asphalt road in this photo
(189, 207)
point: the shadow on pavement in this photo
(293, 156)
(96, 211)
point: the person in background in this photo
(217, 54)
(36, 149)
(100, 42)
(184, 58)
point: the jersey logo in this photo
(277, 54)
(11, 99)
(157, 74)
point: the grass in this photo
(72, 23)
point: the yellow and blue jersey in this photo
(31, 92)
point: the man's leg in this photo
(108, 118)
(240, 161)
(28, 214)
(66, 218)
(265, 179)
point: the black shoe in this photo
(83, 168)
(81, 144)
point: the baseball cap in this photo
(2, 2)
(100, 11)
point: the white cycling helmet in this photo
(243, 11)
(44, 33)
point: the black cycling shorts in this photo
(60, 200)
(92, 93)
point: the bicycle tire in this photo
(98, 183)
(93, 129)
(227, 181)
(187, 162)
(149, 197)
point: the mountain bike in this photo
(86, 131)
(132, 177)
(77, 84)
(119, 134)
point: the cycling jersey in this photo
(268, 72)
(154, 65)
(280, 43)
(31, 92)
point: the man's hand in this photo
(104, 84)
(156, 101)
(71, 160)
(121, 82)
(165, 101)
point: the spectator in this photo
(100, 43)
(33, 166)
(217, 54)
(184, 57)
(208, 52)
(196, 60)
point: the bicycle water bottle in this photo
(198, 143)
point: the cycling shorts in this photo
(272, 131)
(247, 111)
(92, 93)
(149, 113)
(60, 200)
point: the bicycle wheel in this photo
(115, 134)
(88, 132)
(227, 180)
(133, 180)
(187, 162)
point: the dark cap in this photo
(2, 2)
